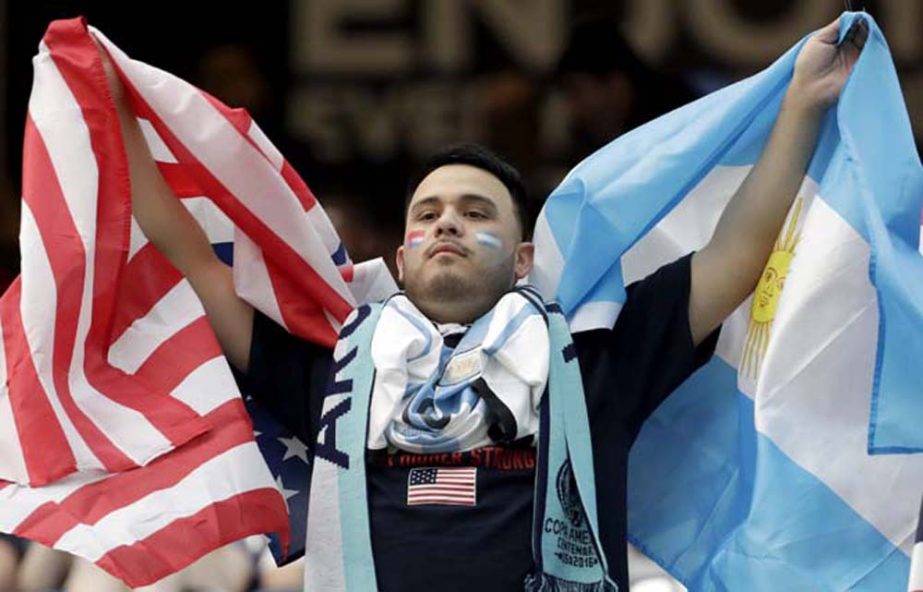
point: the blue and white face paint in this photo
(489, 239)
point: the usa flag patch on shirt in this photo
(442, 486)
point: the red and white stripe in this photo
(122, 435)
(71, 409)
(145, 524)
(207, 149)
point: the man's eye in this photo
(476, 214)
(427, 216)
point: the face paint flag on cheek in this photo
(414, 239)
(489, 239)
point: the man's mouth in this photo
(448, 248)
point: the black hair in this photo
(481, 157)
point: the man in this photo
(465, 249)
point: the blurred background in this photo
(357, 92)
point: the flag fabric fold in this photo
(123, 435)
(787, 462)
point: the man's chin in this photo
(448, 284)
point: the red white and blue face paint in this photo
(489, 239)
(414, 239)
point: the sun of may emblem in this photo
(767, 293)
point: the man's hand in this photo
(823, 66)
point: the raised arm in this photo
(726, 270)
(170, 227)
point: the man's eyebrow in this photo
(480, 200)
(424, 202)
(467, 198)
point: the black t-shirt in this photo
(627, 372)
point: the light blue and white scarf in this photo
(488, 389)
(429, 397)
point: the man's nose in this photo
(449, 223)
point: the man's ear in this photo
(525, 257)
(399, 260)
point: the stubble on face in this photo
(462, 286)
(449, 284)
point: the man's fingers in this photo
(854, 41)
(830, 33)
(858, 34)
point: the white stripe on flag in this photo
(593, 315)
(58, 119)
(177, 309)
(688, 227)
(549, 262)
(159, 150)
(333, 322)
(271, 152)
(19, 502)
(128, 429)
(217, 226)
(813, 334)
(810, 332)
(251, 277)
(11, 455)
(208, 386)
(321, 223)
(217, 479)
(137, 239)
(35, 312)
(916, 569)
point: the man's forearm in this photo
(174, 232)
(726, 270)
(750, 223)
(162, 217)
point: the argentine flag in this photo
(792, 460)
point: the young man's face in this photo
(463, 242)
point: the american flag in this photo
(290, 462)
(442, 486)
(916, 562)
(123, 436)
